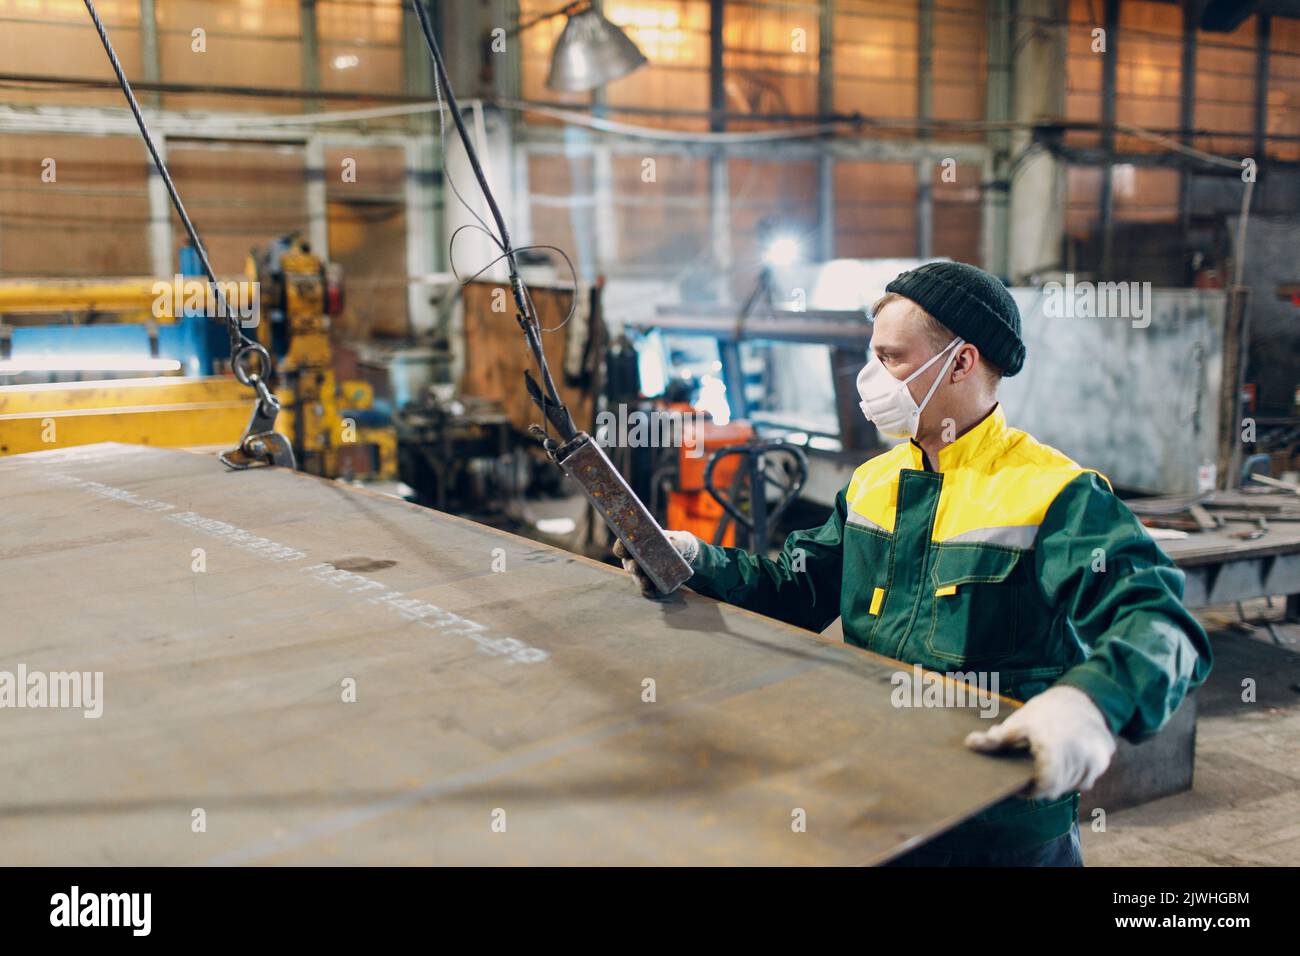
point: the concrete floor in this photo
(1244, 805)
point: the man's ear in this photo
(966, 361)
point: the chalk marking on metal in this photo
(427, 615)
(413, 609)
(238, 537)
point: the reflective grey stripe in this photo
(1012, 536)
(855, 518)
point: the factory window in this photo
(1082, 202)
(769, 199)
(92, 219)
(1143, 194)
(1284, 89)
(1140, 196)
(770, 60)
(658, 221)
(956, 222)
(674, 36)
(875, 210)
(360, 45)
(561, 208)
(375, 174)
(1083, 71)
(262, 37)
(875, 58)
(1225, 90)
(1147, 70)
(367, 240)
(959, 63)
(1148, 79)
(238, 196)
(55, 39)
(663, 222)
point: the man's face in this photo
(901, 343)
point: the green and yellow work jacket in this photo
(1010, 558)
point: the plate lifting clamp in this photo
(261, 444)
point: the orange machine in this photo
(690, 507)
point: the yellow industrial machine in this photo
(101, 330)
(297, 301)
(169, 411)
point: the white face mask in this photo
(887, 401)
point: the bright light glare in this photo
(713, 399)
(556, 525)
(99, 362)
(782, 251)
(651, 366)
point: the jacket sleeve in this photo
(801, 586)
(1121, 597)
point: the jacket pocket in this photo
(975, 603)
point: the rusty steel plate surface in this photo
(295, 671)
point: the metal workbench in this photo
(500, 714)
(1222, 568)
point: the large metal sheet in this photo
(497, 680)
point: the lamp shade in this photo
(590, 52)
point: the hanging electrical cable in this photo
(546, 396)
(249, 360)
(576, 452)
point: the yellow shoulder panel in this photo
(873, 491)
(1011, 490)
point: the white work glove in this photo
(1069, 737)
(687, 545)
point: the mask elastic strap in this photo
(938, 378)
(931, 360)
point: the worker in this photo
(971, 547)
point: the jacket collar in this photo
(988, 433)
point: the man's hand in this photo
(687, 545)
(1071, 743)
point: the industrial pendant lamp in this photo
(591, 51)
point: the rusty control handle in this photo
(758, 521)
(585, 462)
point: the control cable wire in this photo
(546, 396)
(241, 346)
